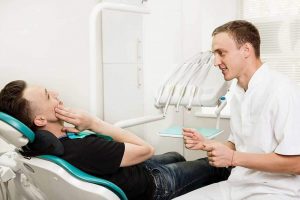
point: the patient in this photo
(127, 161)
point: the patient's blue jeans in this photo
(173, 176)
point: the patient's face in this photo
(42, 102)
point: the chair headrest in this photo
(46, 143)
(14, 132)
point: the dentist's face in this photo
(42, 102)
(228, 56)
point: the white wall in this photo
(46, 42)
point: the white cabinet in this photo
(122, 65)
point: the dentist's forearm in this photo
(270, 162)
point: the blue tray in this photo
(176, 131)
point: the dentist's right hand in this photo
(81, 120)
(192, 139)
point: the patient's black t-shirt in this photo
(102, 158)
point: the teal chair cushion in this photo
(27, 132)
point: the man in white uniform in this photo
(264, 145)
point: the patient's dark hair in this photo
(13, 103)
(242, 32)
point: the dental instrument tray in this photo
(176, 131)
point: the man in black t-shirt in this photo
(127, 161)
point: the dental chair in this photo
(45, 177)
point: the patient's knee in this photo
(176, 156)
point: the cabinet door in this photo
(122, 65)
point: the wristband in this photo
(232, 158)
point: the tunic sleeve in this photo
(287, 121)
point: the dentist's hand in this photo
(192, 139)
(219, 155)
(81, 120)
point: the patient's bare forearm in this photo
(118, 134)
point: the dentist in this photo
(264, 144)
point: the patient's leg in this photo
(167, 158)
(191, 175)
(178, 178)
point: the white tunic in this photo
(265, 119)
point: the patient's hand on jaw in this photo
(192, 139)
(81, 120)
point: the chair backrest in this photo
(18, 134)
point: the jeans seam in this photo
(162, 189)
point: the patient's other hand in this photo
(192, 139)
(81, 120)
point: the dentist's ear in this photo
(40, 121)
(247, 48)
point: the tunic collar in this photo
(258, 77)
